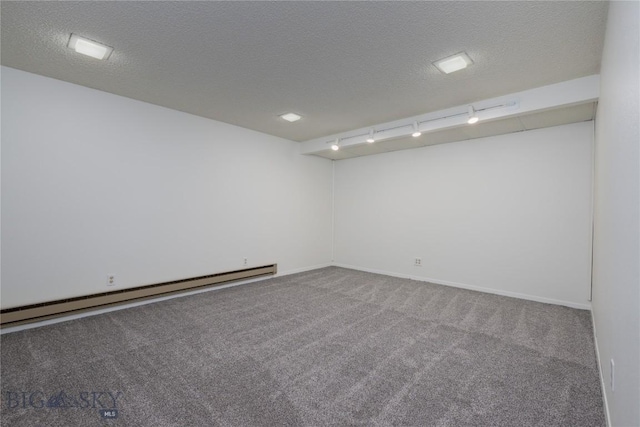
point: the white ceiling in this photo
(341, 65)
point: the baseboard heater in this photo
(47, 310)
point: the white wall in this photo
(616, 260)
(96, 184)
(509, 214)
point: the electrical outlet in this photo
(613, 376)
(245, 261)
(111, 280)
(418, 262)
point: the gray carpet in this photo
(325, 347)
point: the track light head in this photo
(416, 131)
(336, 145)
(370, 138)
(473, 117)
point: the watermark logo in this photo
(109, 413)
(106, 402)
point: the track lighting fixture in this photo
(416, 131)
(473, 117)
(370, 138)
(412, 126)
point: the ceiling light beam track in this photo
(572, 92)
(415, 128)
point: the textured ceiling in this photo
(341, 65)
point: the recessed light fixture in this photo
(453, 63)
(89, 47)
(473, 117)
(291, 117)
(416, 131)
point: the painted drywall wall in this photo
(509, 214)
(96, 184)
(616, 245)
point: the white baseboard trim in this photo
(600, 371)
(471, 287)
(10, 329)
(303, 269)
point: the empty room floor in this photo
(325, 347)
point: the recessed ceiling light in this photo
(89, 47)
(291, 117)
(453, 63)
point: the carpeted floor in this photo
(325, 347)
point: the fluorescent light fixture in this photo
(89, 47)
(453, 63)
(370, 138)
(336, 145)
(473, 117)
(291, 117)
(416, 132)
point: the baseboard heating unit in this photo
(47, 310)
